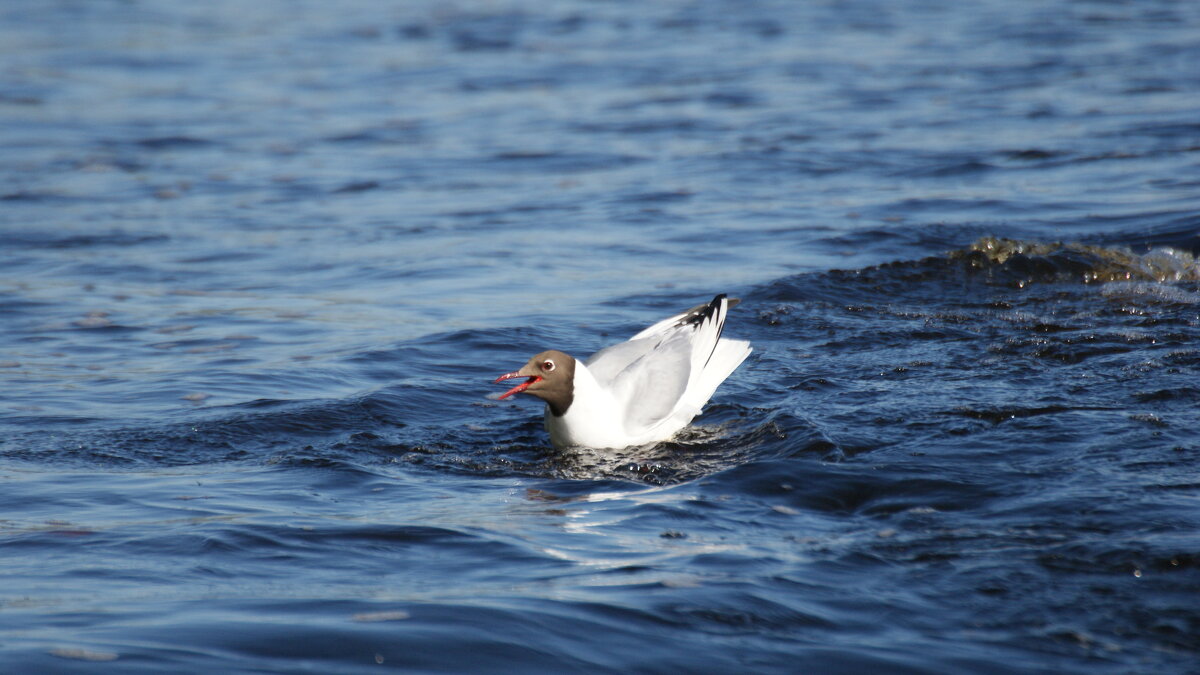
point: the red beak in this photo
(520, 387)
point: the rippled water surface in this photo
(259, 263)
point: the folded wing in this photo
(667, 372)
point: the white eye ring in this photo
(548, 366)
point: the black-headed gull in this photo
(639, 391)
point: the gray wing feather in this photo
(654, 370)
(654, 384)
(608, 363)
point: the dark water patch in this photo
(1174, 232)
(43, 197)
(999, 415)
(26, 196)
(397, 132)
(1031, 155)
(852, 489)
(1168, 130)
(509, 83)
(1184, 394)
(226, 433)
(298, 417)
(357, 186)
(220, 257)
(656, 197)
(14, 304)
(475, 40)
(100, 322)
(652, 126)
(31, 419)
(553, 162)
(172, 143)
(744, 613)
(12, 98)
(650, 101)
(950, 169)
(732, 99)
(515, 213)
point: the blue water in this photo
(259, 263)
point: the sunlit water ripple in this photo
(260, 264)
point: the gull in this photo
(639, 391)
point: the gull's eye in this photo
(548, 366)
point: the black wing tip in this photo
(712, 311)
(716, 302)
(701, 313)
(715, 305)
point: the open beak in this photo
(520, 387)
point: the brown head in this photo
(551, 378)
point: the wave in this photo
(1014, 262)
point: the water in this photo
(260, 264)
